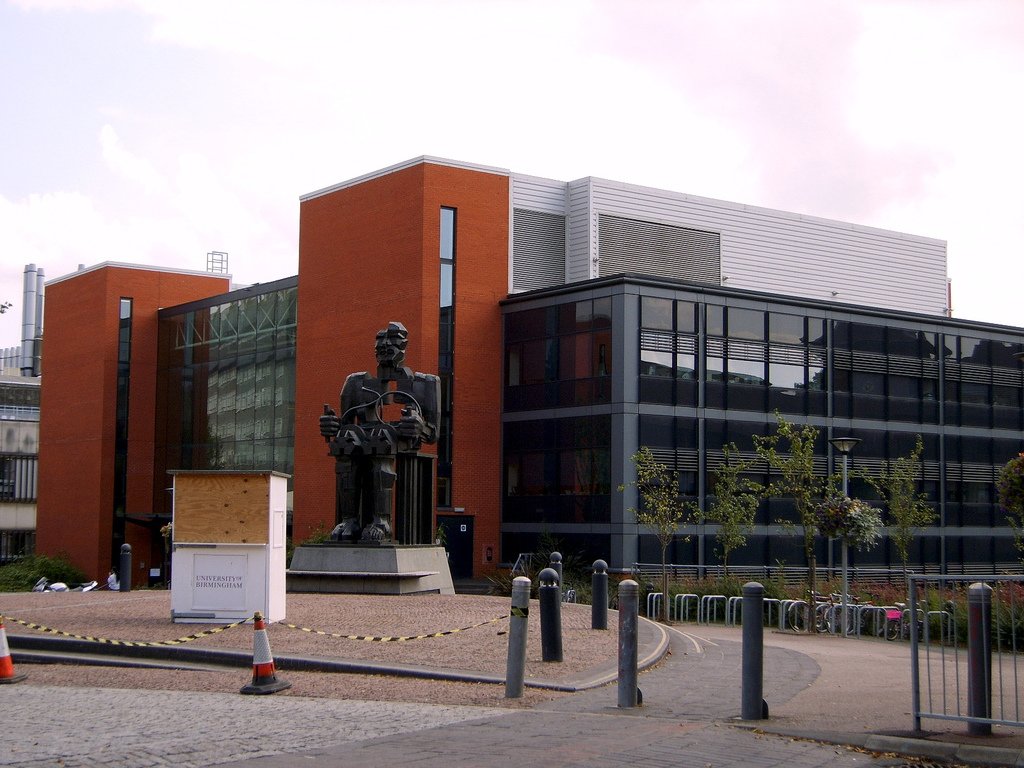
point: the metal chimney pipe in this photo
(28, 320)
(37, 341)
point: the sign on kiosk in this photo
(229, 546)
(218, 582)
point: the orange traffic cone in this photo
(263, 678)
(6, 665)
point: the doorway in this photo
(459, 543)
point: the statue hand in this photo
(330, 424)
(411, 425)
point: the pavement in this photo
(423, 685)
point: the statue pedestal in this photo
(370, 569)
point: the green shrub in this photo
(22, 575)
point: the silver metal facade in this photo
(761, 249)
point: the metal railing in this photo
(794, 576)
(961, 656)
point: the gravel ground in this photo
(476, 642)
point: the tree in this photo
(661, 509)
(908, 509)
(734, 504)
(795, 478)
(1011, 498)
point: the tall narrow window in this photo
(124, 355)
(446, 356)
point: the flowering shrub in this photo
(1011, 485)
(851, 519)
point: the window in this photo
(746, 324)
(446, 355)
(786, 329)
(656, 313)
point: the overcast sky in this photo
(154, 132)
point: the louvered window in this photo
(538, 250)
(629, 245)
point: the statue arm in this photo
(430, 402)
(352, 398)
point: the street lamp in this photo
(844, 445)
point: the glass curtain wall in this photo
(709, 373)
(227, 383)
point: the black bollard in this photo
(518, 623)
(979, 657)
(599, 596)
(753, 706)
(125, 569)
(556, 564)
(550, 598)
(629, 609)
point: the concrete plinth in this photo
(387, 569)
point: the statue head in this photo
(390, 345)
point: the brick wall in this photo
(78, 401)
(369, 254)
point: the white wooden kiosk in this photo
(228, 559)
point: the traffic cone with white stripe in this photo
(6, 665)
(263, 678)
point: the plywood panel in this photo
(221, 509)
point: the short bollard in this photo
(979, 657)
(629, 609)
(556, 564)
(515, 670)
(753, 706)
(599, 596)
(550, 615)
(125, 568)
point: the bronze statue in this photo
(365, 445)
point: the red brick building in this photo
(369, 253)
(97, 413)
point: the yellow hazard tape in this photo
(386, 639)
(132, 643)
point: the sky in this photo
(155, 132)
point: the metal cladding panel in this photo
(538, 194)
(785, 253)
(538, 249)
(581, 249)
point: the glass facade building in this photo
(595, 371)
(226, 383)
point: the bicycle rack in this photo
(947, 627)
(653, 601)
(733, 610)
(708, 609)
(875, 614)
(682, 605)
(569, 596)
(771, 604)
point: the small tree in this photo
(734, 505)
(796, 479)
(661, 509)
(1011, 498)
(908, 509)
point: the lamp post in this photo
(844, 445)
